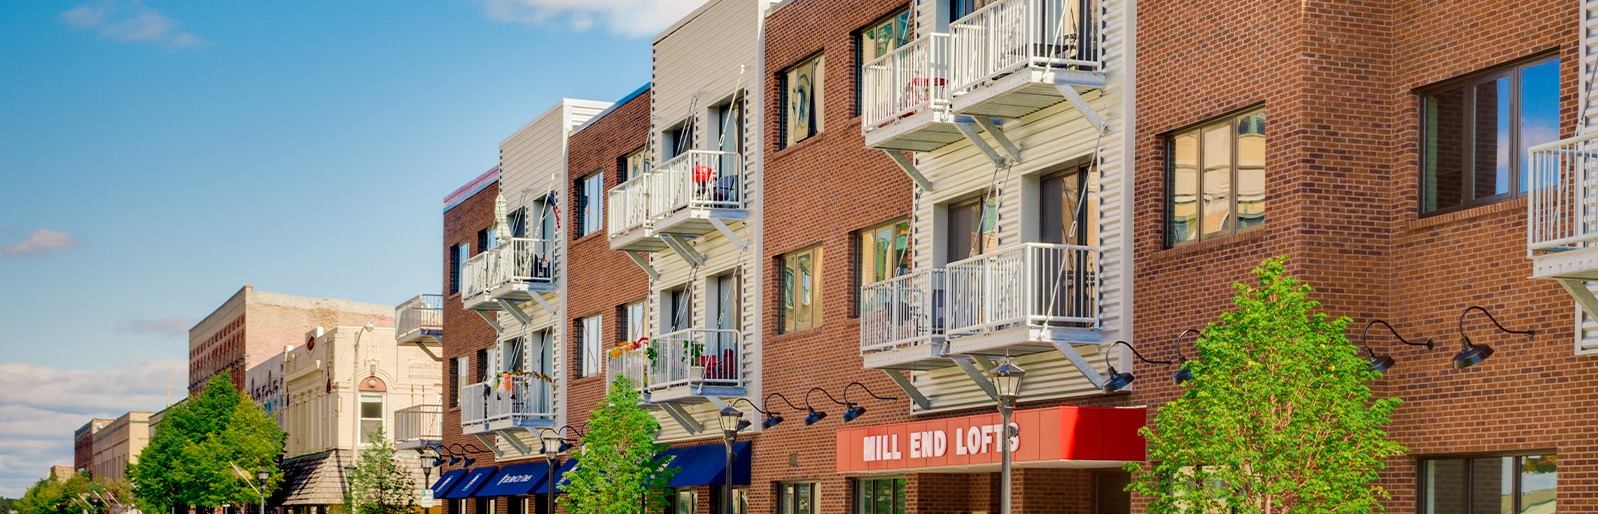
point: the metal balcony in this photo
(517, 270)
(694, 365)
(902, 322)
(420, 320)
(516, 403)
(696, 193)
(1015, 57)
(628, 226)
(474, 281)
(418, 426)
(1562, 216)
(904, 98)
(1028, 298)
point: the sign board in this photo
(1084, 435)
(425, 498)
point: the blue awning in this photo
(558, 479)
(707, 464)
(445, 481)
(515, 480)
(473, 480)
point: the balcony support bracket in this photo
(516, 442)
(717, 402)
(909, 169)
(998, 135)
(976, 375)
(492, 319)
(986, 363)
(727, 232)
(1092, 115)
(682, 417)
(483, 438)
(969, 130)
(638, 258)
(910, 389)
(1082, 364)
(679, 245)
(516, 311)
(539, 297)
(1583, 295)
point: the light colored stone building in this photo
(117, 445)
(254, 326)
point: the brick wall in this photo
(465, 332)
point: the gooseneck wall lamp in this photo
(816, 415)
(744, 423)
(1381, 362)
(772, 418)
(1470, 353)
(460, 456)
(1120, 379)
(1182, 374)
(854, 409)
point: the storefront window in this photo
(879, 496)
(1502, 484)
(797, 498)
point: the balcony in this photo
(1025, 299)
(418, 426)
(628, 226)
(1015, 57)
(420, 320)
(517, 270)
(904, 99)
(901, 322)
(696, 193)
(633, 364)
(1562, 216)
(688, 366)
(516, 403)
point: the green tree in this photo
(620, 468)
(1278, 417)
(190, 459)
(380, 484)
(78, 494)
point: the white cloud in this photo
(40, 243)
(167, 326)
(630, 18)
(40, 407)
(129, 21)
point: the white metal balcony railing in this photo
(523, 399)
(902, 311)
(419, 423)
(697, 179)
(1009, 35)
(633, 364)
(475, 272)
(474, 405)
(629, 205)
(1032, 284)
(523, 260)
(422, 314)
(696, 356)
(906, 81)
(1562, 195)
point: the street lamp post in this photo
(262, 475)
(730, 421)
(552, 441)
(1007, 384)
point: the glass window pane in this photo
(1492, 483)
(900, 491)
(372, 409)
(862, 496)
(1184, 188)
(961, 234)
(1217, 185)
(1251, 171)
(884, 496)
(1490, 144)
(1443, 486)
(1443, 150)
(802, 98)
(1539, 110)
(785, 505)
(1539, 478)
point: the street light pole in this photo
(262, 474)
(551, 440)
(730, 419)
(1007, 384)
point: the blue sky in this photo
(156, 156)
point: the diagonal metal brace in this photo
(483, 438)
(976, 375)
(969, 130)
(909, 169)
(516, 442)
(1081, 364)
(998, 135)
(1082, 105)
(1583, 295)
(492, 319)
(909, 389)
(539, 297)
(679, 245)
(682, 417)
(638, 258)
(516, 311)
(727, 232)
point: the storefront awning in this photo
(445, 481)
(515, 480)
(471, 483)
(1079, 437)
(558, 479)
(707, 464)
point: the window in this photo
(589, 340)
(740, 499)
(684, 501)
(1508, 484)
(1216, 179)
(485, 506)
(799, 498)
(881, 252)
(960, 8)
(801, 101)
(457, 261)
(879, 496)
(517, 220)
(1068, 216)
(634, 165)
(371, 416)
(875, 41)
(458, 377)
(590, 203)
(677, 140)
(676, 310)
(728, 118)
(482, 366)
(631, 325)
(801, 290)
(1475, 133)
(972, 228)
(486, 240)
(516, 505)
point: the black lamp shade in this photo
(742, 424)
(853, 413)
(438, 461)
(1182, 375)
(565, 446)
(771, 421)
(815, 416)
(469, 461)
(453, 460)
(1381, 363)
(1472, 354)
(1117, 380)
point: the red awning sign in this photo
(1069, 436)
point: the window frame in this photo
(624, 164)
(588, 202)
(858, 251)
(361, 419)
(817, 262)
(1230, 120)
(793, 508)
(1468, 83)
(627, 324)
(818, 95)
(859, 486)
(1423, 467)
(458, 255)
(587, 340)
(858, 37)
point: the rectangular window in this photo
(458, 379)
(677, 140)
(1475, 133)
(485, 506)
(1508, 484)
(589, 340)
(971, 228)
(675, 310)
(635, 164)
(517, 220)
(801, 101)
(961, 8)
(457, 260)
(879, 496)
(881, 252)
(800, 290)
(684, 501)
(797, 498)
(876, 40)
(486, 240)
(1216, 176)
(1068, 215)
(371, 416)
(589, 204)
(728, 117)
(630, 324)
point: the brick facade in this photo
(465, 332)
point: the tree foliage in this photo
(380, 484)
(190, 459)
(620, 468)
(78, 494)
(1278, 417)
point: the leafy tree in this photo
(380, 484)
(1278, 417)
(620, 468)
(190, 459)
(78, 494)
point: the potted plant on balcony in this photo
(693, 355)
